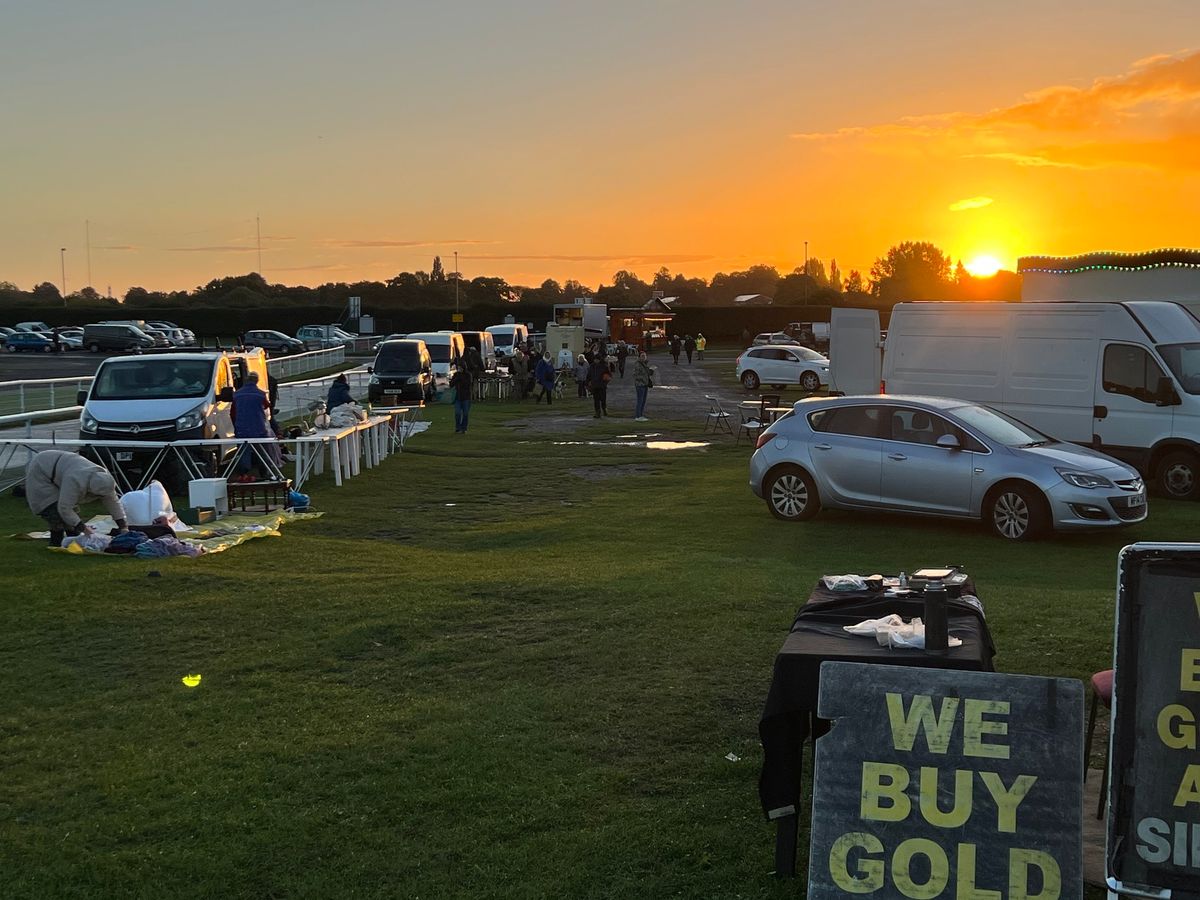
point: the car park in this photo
(39, 327)
(403, 370)
(273, 341)
(324, 337)
(938, 457)
(71, 338)
(180, 337)
(29, 342)
(5, 331)
(780, 366)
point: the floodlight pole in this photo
(62, 259)
(456, 281)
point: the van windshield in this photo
(153, 379)
(439, 353)
(1184, 362)
(398, 359)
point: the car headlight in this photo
(414, 379)
(1084, 479)
(193, 418)
(88, 423)
(374, 380)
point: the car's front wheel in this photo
(750, 381)
(10, 348)
(810, 381)
(791, 494)
(1017, 513)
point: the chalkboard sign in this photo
(946, 784)
(1154, 791)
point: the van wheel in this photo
(791, 494)
(1179, 475)
(10, 348)
(1017, 512)
(93, 348)
(810, 381)
(750, 381)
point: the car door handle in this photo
(897, 456)
(822, 446)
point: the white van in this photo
(446, 349)
(507, 337)
(485, 344)
(1123, 378)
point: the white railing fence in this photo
(39, 394)
(286, 366)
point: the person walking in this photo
(598, 378)
(689, 346)
(701, 343)
(519, 369)
(676, 347)
(581, 375)
(622, 353)
(643, 380)
(461, 383)
(57, 482)
(545, 378)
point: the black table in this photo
(789, 716)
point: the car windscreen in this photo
(1184, 362)
(153, 379)
(398, 359)
(998, 427)
(805, 353)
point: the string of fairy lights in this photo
(1165, 258)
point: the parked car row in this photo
(109, 336)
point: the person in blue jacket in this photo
(545, 378)
(249, 411)
(339, 393)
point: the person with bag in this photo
(643, 380)
(545, 376)
(598, 378)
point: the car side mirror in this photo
(226, 395)
(81, 398)
(1165, 395)
(949, 442)
(370, 370)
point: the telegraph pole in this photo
(258, 241)
(456, 282)
(62, 259)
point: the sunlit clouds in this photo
(970, 203)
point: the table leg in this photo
(335, 461)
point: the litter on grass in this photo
(191, 680)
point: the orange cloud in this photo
(368, 244)
(970, 203)
(1147, 117)
(639, 259)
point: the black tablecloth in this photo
(817, 636)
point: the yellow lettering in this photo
(975, 727)
(1007, 799)
(939, 869)
(1189, 670)
(869, 877)
(959, 812)
(874, 789)
(921, 717)
(1189, 786)
(1183, 735)
(1019, 861)
(966, 889)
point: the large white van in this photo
(1123, 378)
(446, 349)
(508, 336)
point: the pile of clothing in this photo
(141, 545)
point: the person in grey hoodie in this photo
(58, 481)
(643, 380)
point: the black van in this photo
(402, 371)
(115, 338)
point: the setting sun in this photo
(984, 266)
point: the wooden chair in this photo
(717, 418)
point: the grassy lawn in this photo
(481, 674)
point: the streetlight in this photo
(62, 260)
(806, 272)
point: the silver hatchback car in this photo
(939, 457)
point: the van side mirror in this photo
(370, 370)
(1166, 395)
(949, 442)
(81, 398)
(226, 395)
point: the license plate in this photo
(1135, 502)
(124, 456)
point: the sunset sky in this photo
(572, 139)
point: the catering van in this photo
(508, 336)
(484, 343)
(446, 349)
(165, 397)
(1122, 378)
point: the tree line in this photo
(913, 270)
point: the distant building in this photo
(1171, 274)
(752, 300)
(634, 324)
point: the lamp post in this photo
(806, 273)
(62, 261)
(456, 282)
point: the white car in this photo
(782, 365)
(773, 337)
(71, 339)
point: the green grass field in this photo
(480, 674)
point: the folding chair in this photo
(753, 424)
(717, 418)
